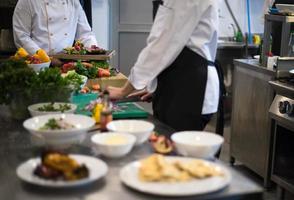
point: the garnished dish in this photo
(57, 124)
(58, 170)
(60, 166)
(175, 176)
(157, 169)
(51, 108)
(80, 49)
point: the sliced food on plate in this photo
(157, 168)
(175, 176)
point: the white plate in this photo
(129, 176)
(97, 169)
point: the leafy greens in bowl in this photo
(51, 108)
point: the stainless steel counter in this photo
(16, 147)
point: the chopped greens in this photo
(51, 108)
(57, 124)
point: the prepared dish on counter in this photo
(57, 124)
(161, 144)
(156, 168)
(59, 166)
(51, 107)
(80, 49)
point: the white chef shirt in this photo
(180, 23)
(51, 25)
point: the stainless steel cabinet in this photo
(250, 135)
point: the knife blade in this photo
(128, 99)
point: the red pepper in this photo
(103, 72)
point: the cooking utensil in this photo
(128, 99)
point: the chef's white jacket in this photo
(180, 23)
(51, 25)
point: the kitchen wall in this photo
(239, 10)
(101, 18)
(131, 21)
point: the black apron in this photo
(178, 99)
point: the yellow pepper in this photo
(21, 53)
(43, 55)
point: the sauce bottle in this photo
(106, 112)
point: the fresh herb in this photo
(54, 124)
(75, 79)
(100, 64)
(90, 72)
(51, 108)
(18, 80)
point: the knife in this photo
(128, 99)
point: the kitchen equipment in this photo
(283, 67)
(285, 8)
(282, 115)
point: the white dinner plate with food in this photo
(130, 176)
(97, 169)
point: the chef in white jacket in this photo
(177, 64)
(51, 25)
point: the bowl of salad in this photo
(51, 108)
(59, 130)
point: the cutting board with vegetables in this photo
(122, 110)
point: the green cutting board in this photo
(124, 111)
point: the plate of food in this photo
(59, 170)
(79, 52)
(175, 176)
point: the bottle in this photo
(106, 112)
(291, 45)
(260, 52)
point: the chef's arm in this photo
(84, 32)
(173, 26)
(22, 21)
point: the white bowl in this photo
(139, 128)
(197, 144)
(60, 138)
(35, 112)
(113, 145)
(39, 67)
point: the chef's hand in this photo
(118, 93)
(143, 94)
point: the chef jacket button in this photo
(63, 3)
(47, 4)
(50, 18)
(65, 18)
(65, 34)
(51, 34)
